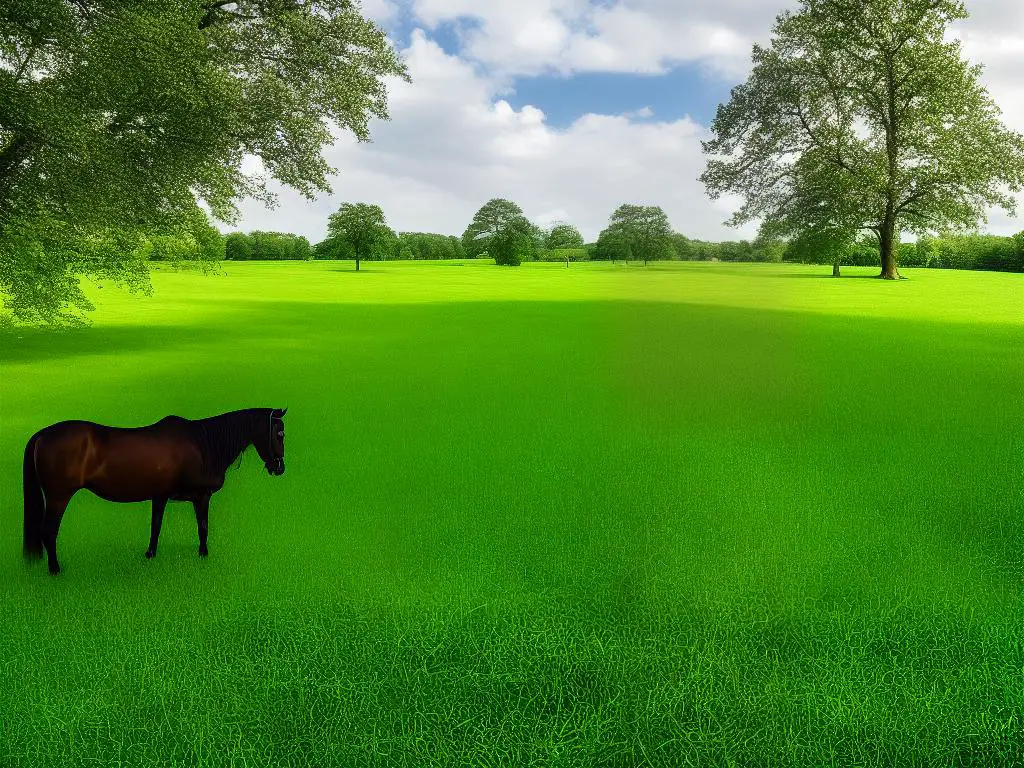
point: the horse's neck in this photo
(227, 442)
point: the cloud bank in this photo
(453, 141)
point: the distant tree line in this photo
(267, 246)
(947, 251)
(635, 233)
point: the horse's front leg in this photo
(159, 504)
(202, 507)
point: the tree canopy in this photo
(427, 245)
(363, 228)
(638, 232)
(117, 118)
(561, 236)
(514, 243)
(492, 218)
(267, 246)
(862, 116)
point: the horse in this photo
(174, 459)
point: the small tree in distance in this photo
(513, 243)
(362, 227)
(493, 217)
(642, 232)
(563, 237)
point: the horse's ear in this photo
(284, 412)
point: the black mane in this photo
(223, 439)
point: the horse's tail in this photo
(35, 503)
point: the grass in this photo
(695, 514)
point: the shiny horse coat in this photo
(174, 459)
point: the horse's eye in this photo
(280, 434)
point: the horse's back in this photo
(68, 428)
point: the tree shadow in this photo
(25, 345)
(806, 276)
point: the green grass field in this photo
(695, 514)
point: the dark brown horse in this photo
(174, 459)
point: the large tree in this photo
(117, 118)
(863, 116)
(641, 232)
(363, 228)
(493, 217)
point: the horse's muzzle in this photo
(275, 466)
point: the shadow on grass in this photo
(299, 322)
(25, 345)
(824, 276)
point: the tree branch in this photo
(215, 11)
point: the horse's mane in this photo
(223, 439)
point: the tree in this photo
(611, 246)
(683, 247)
(200, 245)
(363, 228)
(562, 236)
(267, 246)
(644, 230)
(861, 116)
(334, 249)
(237, 247)
(819, 246)
(514, 243)
(492, 218)
(426, 245)
(117, 117)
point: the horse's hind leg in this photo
(154, 529)
(51, 527)
(202, 506)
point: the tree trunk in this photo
(889, 248)
(835, 265)
(357, 263)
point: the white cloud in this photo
(380, 11)
(453, 142)
(450, 146)
(532, 36)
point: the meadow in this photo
(694, 514)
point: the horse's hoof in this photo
(203, 553)
(54, 570)
(150, 554)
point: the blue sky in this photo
(687, 89)
(684, 90)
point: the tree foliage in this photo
(425, 245)
(267, 246)
(363, 228)
(862, 116)
(493, 217)
(562, 236)
(611, 245)
(200, 245)
(514, 243)
(117, 117)
(638, 232)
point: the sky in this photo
(572, 107)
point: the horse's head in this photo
(269, 442)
